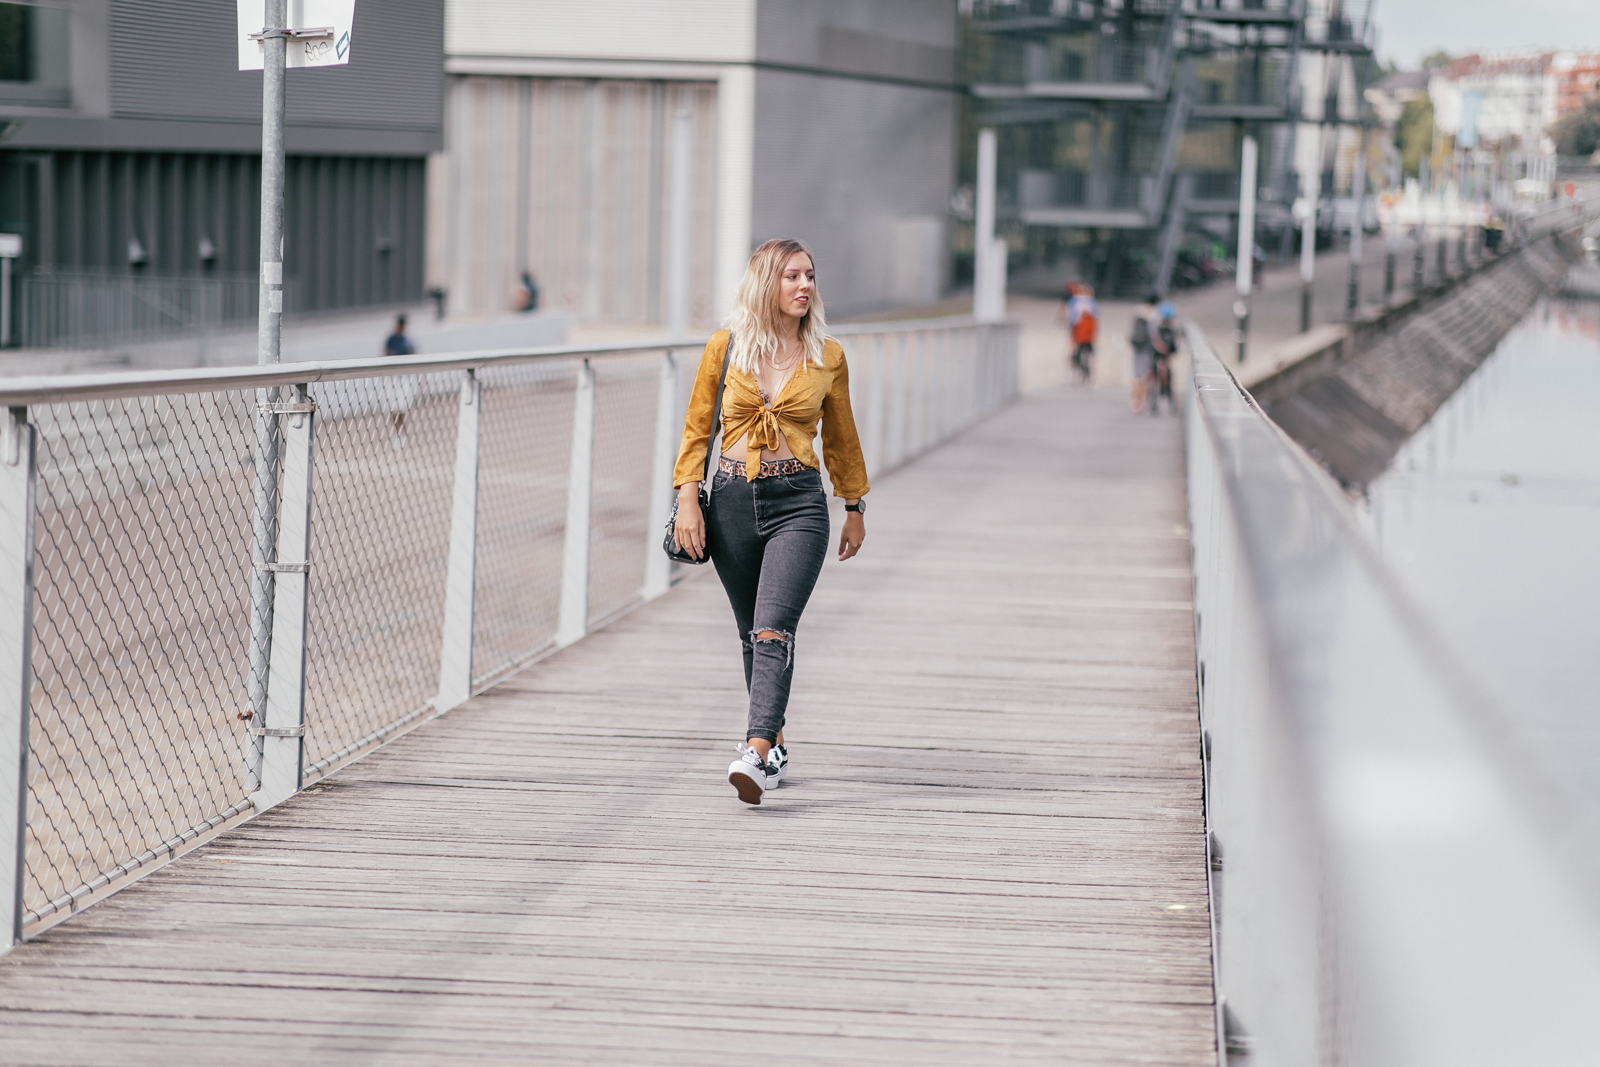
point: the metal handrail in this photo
(61, 388)
(1368, 812)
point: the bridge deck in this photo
(990, 849)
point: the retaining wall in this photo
(1353, 403)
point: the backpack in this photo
(1169, 337)
(1140, 338)
(1083, 330)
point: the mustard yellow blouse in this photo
(812, 392)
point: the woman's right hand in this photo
(690, 530)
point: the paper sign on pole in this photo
(327, 49)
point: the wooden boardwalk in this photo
(989, 851)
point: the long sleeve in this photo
(841, 446)
(697, 428)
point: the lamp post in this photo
(1245, 261)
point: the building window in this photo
(33, 56)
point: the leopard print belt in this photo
(735, 467)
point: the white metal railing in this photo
(1395, 877)
(425, 525)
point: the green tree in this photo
(1578, 134)
(1413, 134)
(1436, 59)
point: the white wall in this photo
(860, 170)
(567, 178)
(718, 31)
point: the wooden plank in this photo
(990, 847)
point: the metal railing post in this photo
(657, 567)
(875, 409)
(574, 619)
(978, 403)
(994, 386)
(18, 476)
(916, 395)
(455, 643)
(940, 344)
(895, 407)
(282, 732)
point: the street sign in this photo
(319, 35)
(10, 245)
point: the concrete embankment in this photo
(1357, 394)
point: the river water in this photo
(1491, 515)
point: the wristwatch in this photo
(859, 507)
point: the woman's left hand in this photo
(855, 532)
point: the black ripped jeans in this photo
(768, 540)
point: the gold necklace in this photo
(772, 360)
(766, 398)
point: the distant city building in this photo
(1501, 102)
(1506, 101)
(833, 121)
(1577, 77)
(130, 152)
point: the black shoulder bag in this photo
(670, 544)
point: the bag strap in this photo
(716, 417)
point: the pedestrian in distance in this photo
(399, 390)
(527, 295)
(1143, 340)
(776, 373)
(1166, 345)
(1082, 314)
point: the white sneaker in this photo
(748, 774)
(777, 765)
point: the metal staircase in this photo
(1104, 105)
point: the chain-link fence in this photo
(87, 308)
(404, 532)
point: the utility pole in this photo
(983, 242)
(1244, 263)
(1308, 252)
(274, 73)
(274, 39)
(1308, 234)
(1358, 192)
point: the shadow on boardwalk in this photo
(990, 849)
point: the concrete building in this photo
(1497, 102)
(1577, 77)
(130, 164)
(1120, 124)
(829, 120)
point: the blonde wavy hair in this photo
(755, 322)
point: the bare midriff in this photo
(738, 449)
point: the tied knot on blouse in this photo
(765, 432)
(811, 394)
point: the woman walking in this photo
(767, 522)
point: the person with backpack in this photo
(1083, 321)
(1166, 344)
(1143, 339)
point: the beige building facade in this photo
(827, 120)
